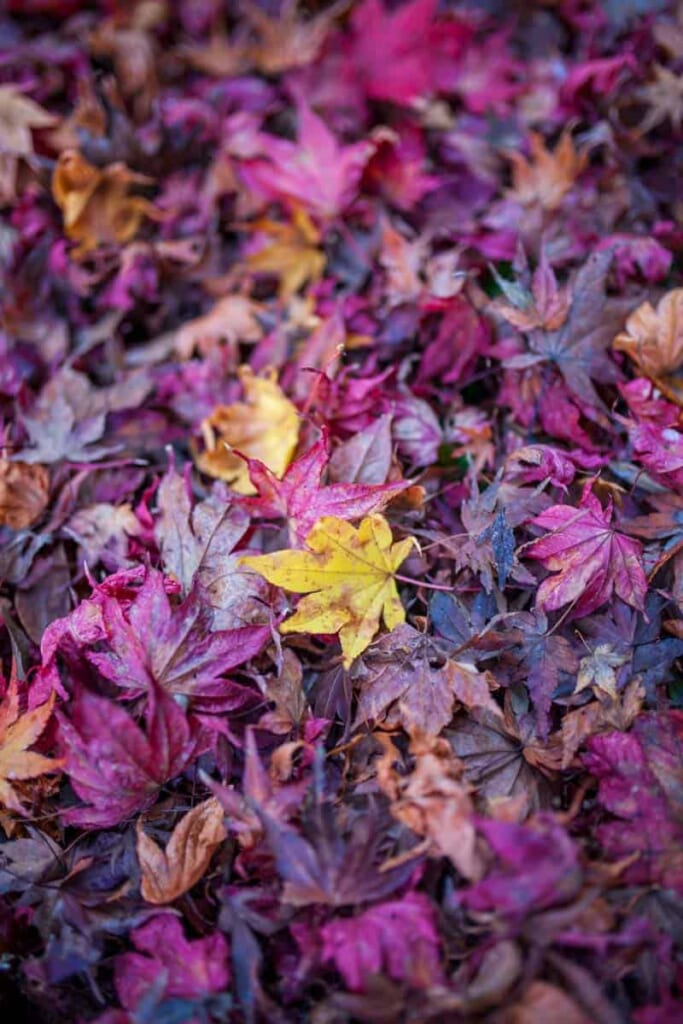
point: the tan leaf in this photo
(96, 205)
(434, 800)
(232, 319)
(24, 492)
(265, 426)
(19, 116)
(547, 176)
(653, 338)
(17, 734)
(167, 874)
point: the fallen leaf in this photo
(663, 98)
(17, 733)
(19, 117)
(302, 499)
(548, 176)
(597, 670)
(292, 254)
(265, 427)
(233, 319)
(348, 574)
(653, 338)
(96, 205)
(24, 493)
(168, 873)
(285, 42)
(589, 558)
(542, 1002)
(433, 800)
(406, 680)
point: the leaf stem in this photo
(423, 583)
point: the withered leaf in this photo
(168, 873)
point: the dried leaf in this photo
(168, 873)
(17, 733)
(548, 176)
(24, 493)
(653, 338)
(264, 427)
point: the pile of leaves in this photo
(341, 511)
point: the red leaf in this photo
(114, 766)
(301, 498)
(590, 559)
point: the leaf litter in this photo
(341, 551)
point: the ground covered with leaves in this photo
(341, 512)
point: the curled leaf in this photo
(167, 874)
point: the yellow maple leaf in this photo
(265, 426)
(293, 254)
(167, 874)
(17, 734)
(348, 575)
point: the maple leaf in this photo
(548, 176)
(293, 252)
(348, 575)
(96, 205)
(664, 99)
(433, 800)
(398, 937)
(301, 499)
(17, 733)
(24, 493)
(590, 559)
(285, 42)
(544, 657)
(233, 319)
(115, 767)
(182, 968)
(19, 117)
(153, 642)
(315, 172)
(407, 669)
(393, 49)
(597, 670)
(579, 348)
(653, 338)
(265, 427)
(641, 784)
(167, 874)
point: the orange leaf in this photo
(548, 176)
(24, 491)
(95, 204)
(167, 874)
(17, 734)
(653, 338)
(293, 254)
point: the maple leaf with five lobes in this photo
(300, 497)
(292, 252)
(590, 559)
(265, 426)
(348, 575)
(315, 171)
(17, 734)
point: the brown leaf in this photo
(547, 176)
(167, 874)
(232, 319)
(434, 800)
(96, 205)
(19, 116)
(653, 338)
(24, 492)
(17, 733)
(543, 1002)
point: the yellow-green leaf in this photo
(348, 575)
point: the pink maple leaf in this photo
(302, 499)
(393, 50)
(184, 969)
(398, 937)
(114, 766)
(590, 559)
(315, 171)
